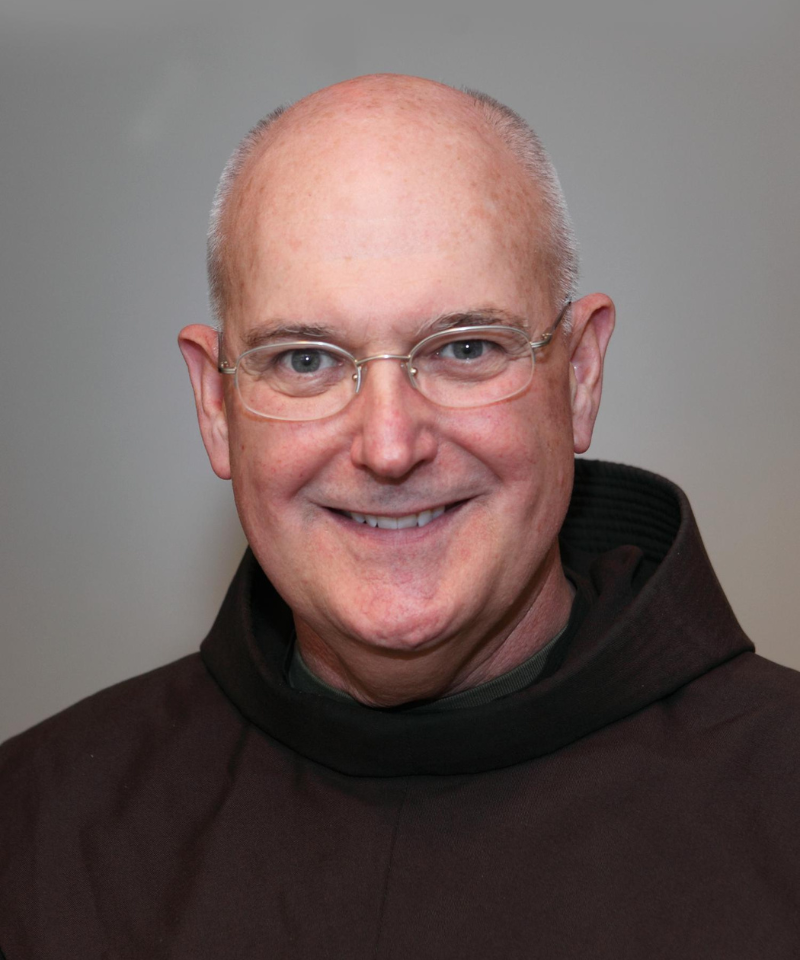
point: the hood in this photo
(655, 618)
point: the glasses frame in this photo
(406, 361)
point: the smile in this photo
(396, 523)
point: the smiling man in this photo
(466, 697)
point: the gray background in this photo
(676, 131)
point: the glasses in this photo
(461, 367)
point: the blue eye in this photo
(464, 349)
(307, 360)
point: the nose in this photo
(394, 430)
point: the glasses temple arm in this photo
(549, 334)
(222, 364)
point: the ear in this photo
(592, 325)
(199, 347)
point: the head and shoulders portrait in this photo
(469, 691)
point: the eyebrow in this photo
(280, 332)
(480, 317)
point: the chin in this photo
(402, 630)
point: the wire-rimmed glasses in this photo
(469, 366)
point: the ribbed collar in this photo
(656, 619)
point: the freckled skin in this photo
(375, 206)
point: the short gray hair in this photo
(217, 238)
(517, 134)
(509, 126)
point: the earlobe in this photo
(198, 344)
(593, 319)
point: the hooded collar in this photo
(655, 618)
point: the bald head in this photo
(370, 168)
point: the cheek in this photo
(522, 442)
(270, 463)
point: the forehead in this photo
(388, 215)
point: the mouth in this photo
(405, 522)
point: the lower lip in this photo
(413, 533)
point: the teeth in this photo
(397, 523)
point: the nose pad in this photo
(411, 373)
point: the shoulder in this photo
(749, 684)
(150, 696)
(76, 753)
(744, 714)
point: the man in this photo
(423, 725)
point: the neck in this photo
(380, 678)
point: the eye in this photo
(306, 360)
(466, 349)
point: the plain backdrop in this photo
(675, 129)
